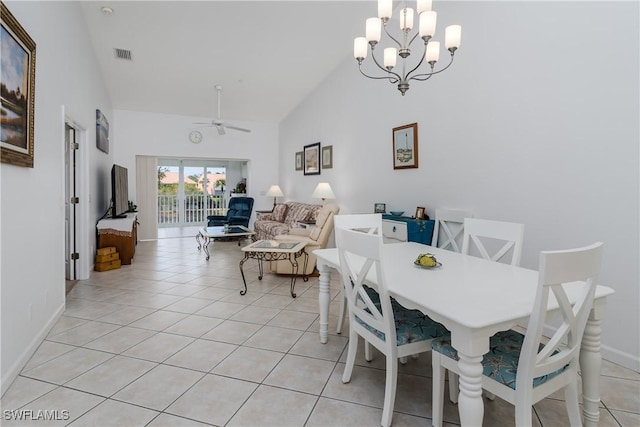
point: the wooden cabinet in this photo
(405, 229)
(121, 233)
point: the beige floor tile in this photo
(276, 339)
(329, 412)
(270, 406)
(232, 332)
(309, 345)
(214, 294)
(214, 399)
(65, 323)
(293, 319)
(273, 301)
(188, 305)
(201, 355)
(159, 347)
(64, 404)
(626, 419)
(114, 413)
(120, 339)
(219, 309)
(86, 309)
(301, 374)
(194, 326)
(84, 333)
(111, 376)
(126, 315)
(308, 305)
(68, 366)
(22, 391)
(167, 420)
(620, 394)
(250, 364)
(158, 388)
(48, 350)
(159, 320)
(253, 314)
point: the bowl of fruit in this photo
(427, 261)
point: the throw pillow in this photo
(279, 213)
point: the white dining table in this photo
(474, 298)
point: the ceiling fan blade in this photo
(237, 128)
(220, 129)
(203, 123)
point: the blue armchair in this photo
(238, 213)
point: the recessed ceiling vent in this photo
(123, 54)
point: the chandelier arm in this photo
(421, 77)
(390, 36)
(422, 57)
(390, 78)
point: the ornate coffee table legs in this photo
(275, 256)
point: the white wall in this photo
(162, 135)
(32, 223)
(536, 122)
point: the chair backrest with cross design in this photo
(448, 229)
(493, 239)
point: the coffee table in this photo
(208, 234)
(272, 250)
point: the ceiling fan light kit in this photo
(218, 123)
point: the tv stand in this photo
(121, 233)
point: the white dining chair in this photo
(373, 315)
(524, 369)
(369, 223)
(493, 239)
(448, 228)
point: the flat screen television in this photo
(119, 191)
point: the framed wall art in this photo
(405, 146)
(420, 212)
(17, 82)
(299, 161)
(102, 132)
(327, 157)
(379, 207)
(312, 159)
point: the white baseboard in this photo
(26, 355)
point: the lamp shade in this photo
(274, 191)
(323, 191)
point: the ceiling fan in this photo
(220, 124)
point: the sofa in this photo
(282, 225)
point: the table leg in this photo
(305, 277)
(205, 246)
(294, 271)
(198, 239)
(242, 261)
(260, 269)
(470, 403)
(323, 300)
(590, 364)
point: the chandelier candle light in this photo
(426, 30)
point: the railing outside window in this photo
(193, 210)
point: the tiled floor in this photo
(168, 341)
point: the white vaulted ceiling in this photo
(267, 55)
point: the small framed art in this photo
(405, 146)
(379, 207)
(299, 161)
(420, 212)
(327, 157)
(312, 159)
(102, 132)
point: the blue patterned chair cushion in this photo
(501, 362)
(411, 325)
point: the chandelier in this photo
(426, 30)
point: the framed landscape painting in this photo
(405, 146)
(312, 159)
(17, 82)
(102, 132)
(299, 161)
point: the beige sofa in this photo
(316, 236)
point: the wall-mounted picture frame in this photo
(327, 157)
(102, 132)
(17, 81)
(379, 207)
(312, 159)
(299, 161)
(420, 212)
(405, 146)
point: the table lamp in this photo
(323, 191)
(274, 191)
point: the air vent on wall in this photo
(123, 54)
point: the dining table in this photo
(473, 298)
